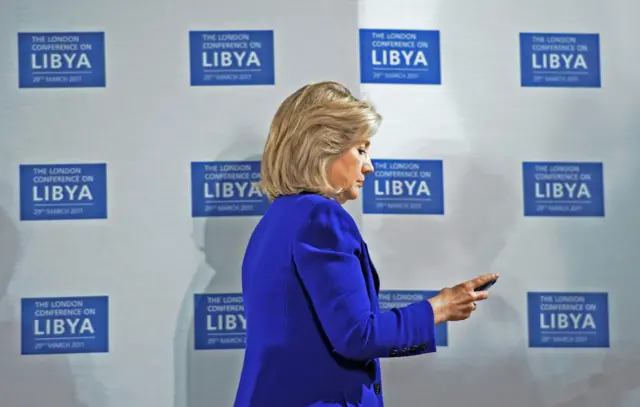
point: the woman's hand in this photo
(458, 302)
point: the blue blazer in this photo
(315, 331)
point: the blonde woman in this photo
(315, 331)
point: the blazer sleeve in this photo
(325, 254)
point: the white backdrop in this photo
(148, 122)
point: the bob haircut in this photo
(312, 127)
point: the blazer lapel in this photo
(372, 268)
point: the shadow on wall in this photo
(26, 380)
(211, 377)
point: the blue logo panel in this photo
(390, 299)
(227, 188)
(219, 321)
(65, 325)
(568, 320)
(563, 189)
(61, 60)
(63, 192)
(404, 187)
(560, 60)
(400, 57)
(228, 58)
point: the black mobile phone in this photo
(486, 286)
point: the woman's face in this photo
(348, 171)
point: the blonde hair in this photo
(311, 128)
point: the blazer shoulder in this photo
(326, 216)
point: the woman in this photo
(315, 331)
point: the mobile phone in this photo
(486, 286)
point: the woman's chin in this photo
(350, 194)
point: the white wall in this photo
(150, 256)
